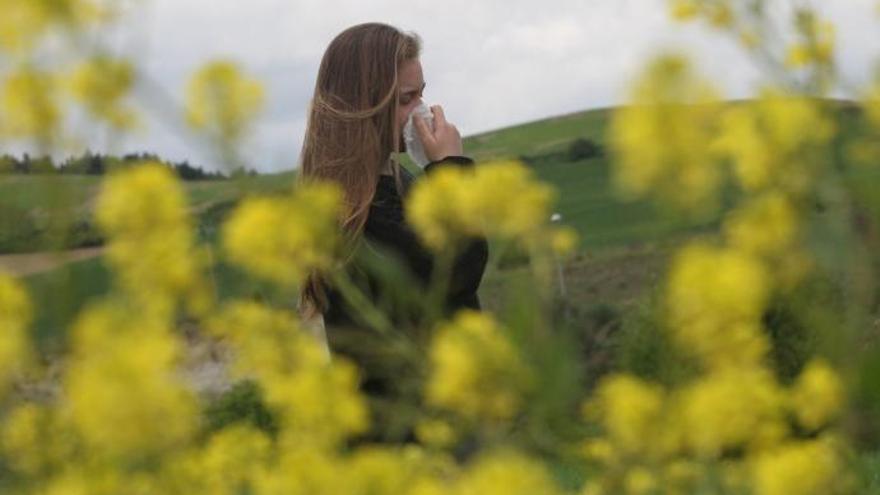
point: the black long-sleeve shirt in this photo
(390, 239)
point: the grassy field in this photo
(624, 244)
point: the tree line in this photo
(90, 163)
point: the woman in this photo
(369, 81)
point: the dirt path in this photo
(20, 265)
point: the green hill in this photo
(587, 199)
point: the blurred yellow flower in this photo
(684, 10)
(630, 410)
(21, 24)
(811, 467)
(143, 211)
(29, 107)
(303, 470)
(101, 84)
(222, 101)
(15, 318)
(497, 199)
(715, 299)
(817, 43)
(818, 395)
(226, 464)
(640, 481)
(384, 470)
(475, 370)
(730, 408)
(122, 391)
(718, 13)
(564, 240)
(765, 225)
(872, 105)
(32, 441)
(24, 22)
(662, 140)
(283, 238)
(506, 473)
(318, 400)
(772, 140)
(435, 433)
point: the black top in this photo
(391, 244)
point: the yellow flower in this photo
(817, 45)
(151, 244)
(640, 481)
(719, 14)
(282, 239)
(663, 139)
(505, 200)
(771, 141)
(101, 84)
(734, 407)
(385, 470)
(435, 432)
(765, 225)
(24, 23)
(742, 139)
(122, 392)
(497, 199)
(683, 474)
(715, 300)
(32, 441)
(564, 240)
(15, 319)
(600, 450)
(29, 105)
(630, 411)
(798, 55)
(475, 369)
(222, 101)
(818, 395)
(872, 105)
(318, 400)
(304, 470)
(799, 468)
(226, 464)
(684, 10)
(506, 474)
(21, 24)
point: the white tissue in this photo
(414, 146)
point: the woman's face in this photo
(411, 84)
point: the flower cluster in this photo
(101, 84)
(496, 199)
(476, 370)
(283, 238)
(221, 101)
(144, 213)
(662, 141)
(15, 317)
(30, 106)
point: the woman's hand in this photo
(443, 141)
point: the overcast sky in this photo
(490, 63)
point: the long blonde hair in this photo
(351, 129)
